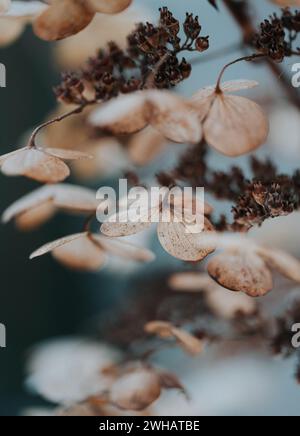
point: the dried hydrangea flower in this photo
(67, 371)
(171, 115)
(36, 208)
(166, 330)
(244, 266)
(64, 18)
(88, 252)
(177, 232)
(14, 16)
(223, 303)
(233, 125)
(44, 165)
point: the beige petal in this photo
(174, 117)
(115, 229)
(190, 281)
(241, 272)
(231, 86)
(28, 202)
(145, 146)
(81, 254)
(163, 329)
(180, 243)
(75, 198)
(47, 248)
(63, 18)
(284, 263)
(235, 125)
(125, 114)
(124, 249)
(188, 342)
(136, 390)
(36, 165)
(35, 217)
(25, 9)
(109, 6)
(6, 156)
(67, 154)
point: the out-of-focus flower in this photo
(41, 164)
(166, 330)
(233, 125)
(64, 18)
(138, 386)
(73, 52)
(88, 252)
(39, 206)
(244, 266)
(177, 230)
(171, 115)
(67, 371)
(223, 303)
(14, 16)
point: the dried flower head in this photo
(42, 164)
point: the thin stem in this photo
(216, 54)
(245, 58)
(77, 110)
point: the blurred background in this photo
(41, 300)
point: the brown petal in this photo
(136, 390)
(47, 248)
(124, 249)
(241, 272)
(75, 198)
(180, 243)
(120, 229)
(35, 217)
(235, 125)
(145, 146)
(125, 114)
(81, 254)
(29, 201)
(36, 165)
(109, 6)
(67, 154)
(283, 262)
(63, 18)
(174, 118)
(166, 330)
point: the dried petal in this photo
(63, 18)
(34, 218)
(4, 5)
(47, 248)
(145, 146)
(109, 6)
(179, 242)
(36, 165)
(241, 272)
(283, 262)
(174, 117)
(124, 249)
(125, 114)
(235, 125)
